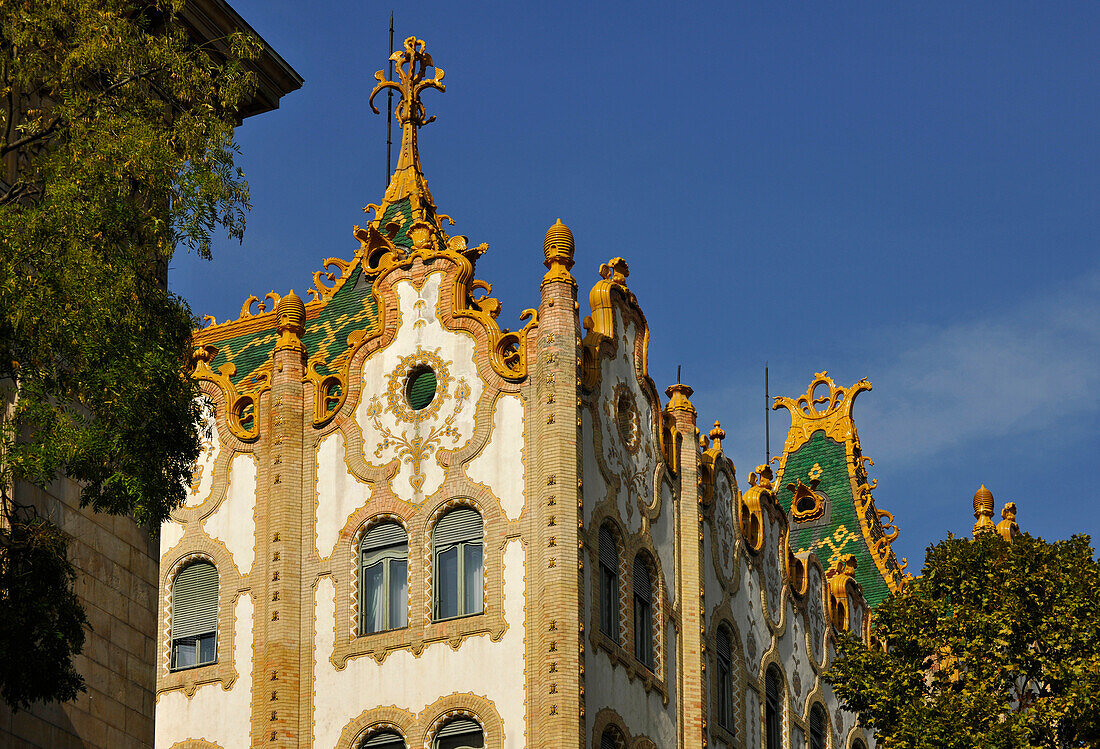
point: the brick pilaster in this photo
(277, 703)
(555, 660)
(690, 663)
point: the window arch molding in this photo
(622, 652)
(230, 581)
(373, 523)
(610, 531)
(418, 522)
(722, 617)
(780, 724)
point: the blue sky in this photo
(904, 192)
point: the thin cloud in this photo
(1018, 371)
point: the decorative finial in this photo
(983, 511)
(679, 398)
(717, 435)
(1008, 528)
(615, 270)
(290, 316)
(558, 249)
(408, 179)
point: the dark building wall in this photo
(116, 581)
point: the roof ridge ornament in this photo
(408, 180)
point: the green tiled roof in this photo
(827, 460)
(351, 308)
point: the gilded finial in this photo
(408, 181)
(290, 316)
(558, 249)
(679, 398)
(615, 270)
(717, 435)
(983, 511)
(1008, 528)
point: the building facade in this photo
(412, 527)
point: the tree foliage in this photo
(116, 132)
(996, 644)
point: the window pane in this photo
(468, 741)
(609, 603)
(446, 589)
(643, 632)
(184, 653)
(399, 593)
(373, 599)
(474, 579)
(207, 647)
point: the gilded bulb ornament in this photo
(983, 511)
(558, 249)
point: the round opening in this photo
(626, 419)
(420, 388)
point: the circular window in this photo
(420, 388)
(626, 418)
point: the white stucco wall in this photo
(219, 716)
(339, 493)
(494, 670)
(234, 522)
(500, 464)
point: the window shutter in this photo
(607, 740)
(642, 585)
(724, 645)
(384, 534)
(385, 740)
(459, 727)
(463, 524)
(195, 601)
(609, 550)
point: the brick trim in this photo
(230, 587)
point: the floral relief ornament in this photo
(416, 447)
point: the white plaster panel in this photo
(633, 468)
(642, 712)
(772, 562)
(170, 534)
(339, 493)
(500, 464)
(221, 717)
(724, 525)
(752, 717)
(234, 523)
(595, 488)
(494, 670)
(795, 662)
(712, 586)
(202, 478)
(816, 607)
(416, 444)
(663, 533)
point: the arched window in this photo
(609, 583)
(460, 733)
(194, 626)
(859, 745)
(819, 728)
(611, 738)
(384, 740)
(459, 572)
(772, 712)
(643, 613)
(384, 578)
(724, 691)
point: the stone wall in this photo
(116, 564)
